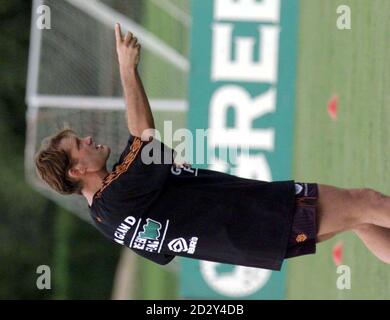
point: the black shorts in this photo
(304, 230)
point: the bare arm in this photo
(139, 114)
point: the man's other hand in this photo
(128, 50)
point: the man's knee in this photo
(367, 195)
(369, 201)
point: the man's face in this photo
(89, 156)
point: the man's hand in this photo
(139, 114)
(128, 50)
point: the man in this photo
(161, 210)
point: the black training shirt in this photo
(161, 211)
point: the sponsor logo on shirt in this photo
(122, 230)
(180, 245)
(149, 238)
(151, 230)
(177, 171)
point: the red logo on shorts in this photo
(301, 237)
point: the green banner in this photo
(242, 88)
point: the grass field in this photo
(349, 152)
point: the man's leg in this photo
(376, 239)
(360, 210)
(345, 209)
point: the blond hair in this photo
(53, 163)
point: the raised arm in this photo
(139, 114)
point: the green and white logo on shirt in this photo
(151, 230)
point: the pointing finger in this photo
(118, 33)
